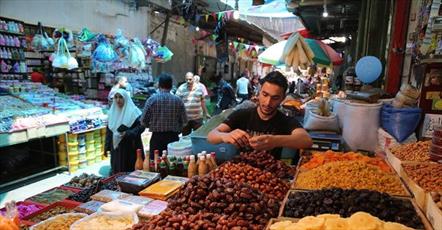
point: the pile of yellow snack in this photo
(357, 221)
(59, 222)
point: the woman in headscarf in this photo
(124, 130)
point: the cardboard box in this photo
(433, 213)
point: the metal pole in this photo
(164, 38)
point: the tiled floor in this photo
(102, 169)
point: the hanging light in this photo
(325, 13)
(197, 28)
(236, 14)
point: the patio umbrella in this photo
(334, 57)
(273, 54)
(320, 56)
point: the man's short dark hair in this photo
(165, 81)
(276, 78)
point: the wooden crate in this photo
(425, 222)
(420, 195)
(394, 161)
(433, 213)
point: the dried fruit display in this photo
(359, 220)
(85, 195)
(223, 196)
(418, 151)
(266, 162)
(265, 182)
(426, 175)
(437, 197)
(319, 159)
(50, 213)
(59, 222)
(200, 220)
(349, 175)
(51, 196)
(347, 202)
(83, 181)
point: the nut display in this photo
(347, 202)
(60, 222)
(349, 175)
(437, 198)
(50, 213)
(223, 196)
(359, 220)
(263, 181)
(51, 196)
(83, 181)
(265, 161)
(418, 151)
(200, 220)
(319, 159)
(85, 194)
(426, 175)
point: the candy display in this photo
(348, 175)
(426, 175)
(418, 151)
(51, 196)
(50, 213)
(59, 222)
(348, 202)
(89, 207)
(359, 220)
(223, 196)
(102, 220)
(83, 181)
(266, 162)
(263, 181)
(200, 220)
(319, 159)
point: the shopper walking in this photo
(226, 95)
(194, 103)
(123, 136)
(164, 114)
(242, 87)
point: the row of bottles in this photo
(13, 67)
(185, 166)
(12, 53)
(12, 26)
(8, 40)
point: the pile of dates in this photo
(265, 182)
(83, 181)
(266, 162)
(346, 202)
(201, 220)
(224, 196)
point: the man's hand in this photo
(263, 142)
(237, 137)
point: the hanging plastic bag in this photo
(49, 41)
(400, 123)
(104, 51)
(86, 35)
(137, 55)
(163, 54)
(9, 220)
(63, 58)
(39, 42)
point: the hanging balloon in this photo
(368, 69)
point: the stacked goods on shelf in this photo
(90, 148)
(103, 143)
(359, 220)
(82, 151)
(436, 145)
(348, 171)
(347, 202)
(62, 151)
(99, 147)
(12, 45)
(73, 152)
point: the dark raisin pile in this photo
(346, 202)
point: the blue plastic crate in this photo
(224, 152)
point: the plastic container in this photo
(62, 138)
(82, 164)
(179, 148)
(97, 134)
(62, 155)
(224, 152)
(82, 157)
(90, 152)
(72, 137)
(91, 160)
(73, 156)
(73, 163)
(62, 163)
(98, 158)
(90, 145)
(134, 185)
(61, 147)
(89, 136)
(73, 147)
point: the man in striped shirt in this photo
(193, 98)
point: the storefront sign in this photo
(431, 121)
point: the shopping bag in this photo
(104, 51)
(137, 55)
(39, 42)
(400, 123)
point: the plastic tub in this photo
(97, 134)
(73, 156)
(90, 153)
(91, 160)
(82, 164)
(90, 145)
(82, 148)
(98, 158)
(82, 157)
(72, 137)
(62, 155)
(73, 147)
(224, 152)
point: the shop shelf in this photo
(11, 33)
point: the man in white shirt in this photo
(242, 87)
